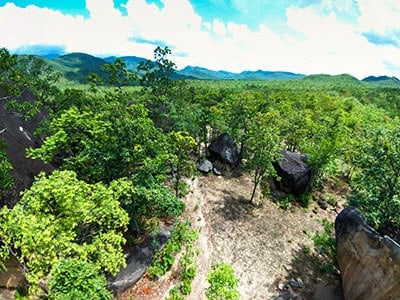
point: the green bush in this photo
(223, 283)
(62, 217)
(74, 279)
(164, 259)
(376, 183)
(6, 180)
(325, 244)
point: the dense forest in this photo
(121, 146)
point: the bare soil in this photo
(266, 245)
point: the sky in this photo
(357, 37)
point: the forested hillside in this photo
(120, 157)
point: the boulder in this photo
(18, 135)
(294, 172)
(369, 263)
(205, 166)
(12, 276)
(224, 150)
(139, 258)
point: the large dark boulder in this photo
(223, 149)
(18, 135)
(369, 263)
(294, 172)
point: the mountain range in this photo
(76, 66)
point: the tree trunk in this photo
(256, 181)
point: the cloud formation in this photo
(357, 37)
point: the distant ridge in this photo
(132, 62)
(77, 66)
(203, 73)
(383, 80)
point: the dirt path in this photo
(267, 246)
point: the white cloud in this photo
(331, 46)
(219, 27)
(314, 40)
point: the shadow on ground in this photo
(234, 207)
(312, 276)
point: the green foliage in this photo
(376, 184)
(77, 280)
(157, 75)
(6, 180)
(61, 217)
(325, 244)
(117, 74)
(174, 294)
(262, 147)
(163, 259)
(27, 73)
(188, 267)
(115, 140)
(182, 146)
(9, 74)
(223, 283)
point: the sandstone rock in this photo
(369, 263)
(12, 277)
(6, 294)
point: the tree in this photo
(117, 74)
(112, 142)
(238, 109)
(262, 147)
(29, 73)
(182, 145)
(62, 217)
(157, 75)
(376, 183)
(6, 180)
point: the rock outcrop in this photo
(17, 134)
(369, 262)
(10, 279)
(294, 172)
(139, 258)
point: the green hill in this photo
(77, 66)
(336, 79)
(132, 62)
(383, 80)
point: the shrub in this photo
(73, 279)
(223, 283)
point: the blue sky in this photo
(359, 37)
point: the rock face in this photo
(138, 260)
(224, 150)
(17, 134)
(295, 173)
(369, 263)
(12, 277)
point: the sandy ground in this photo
(266, 245)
